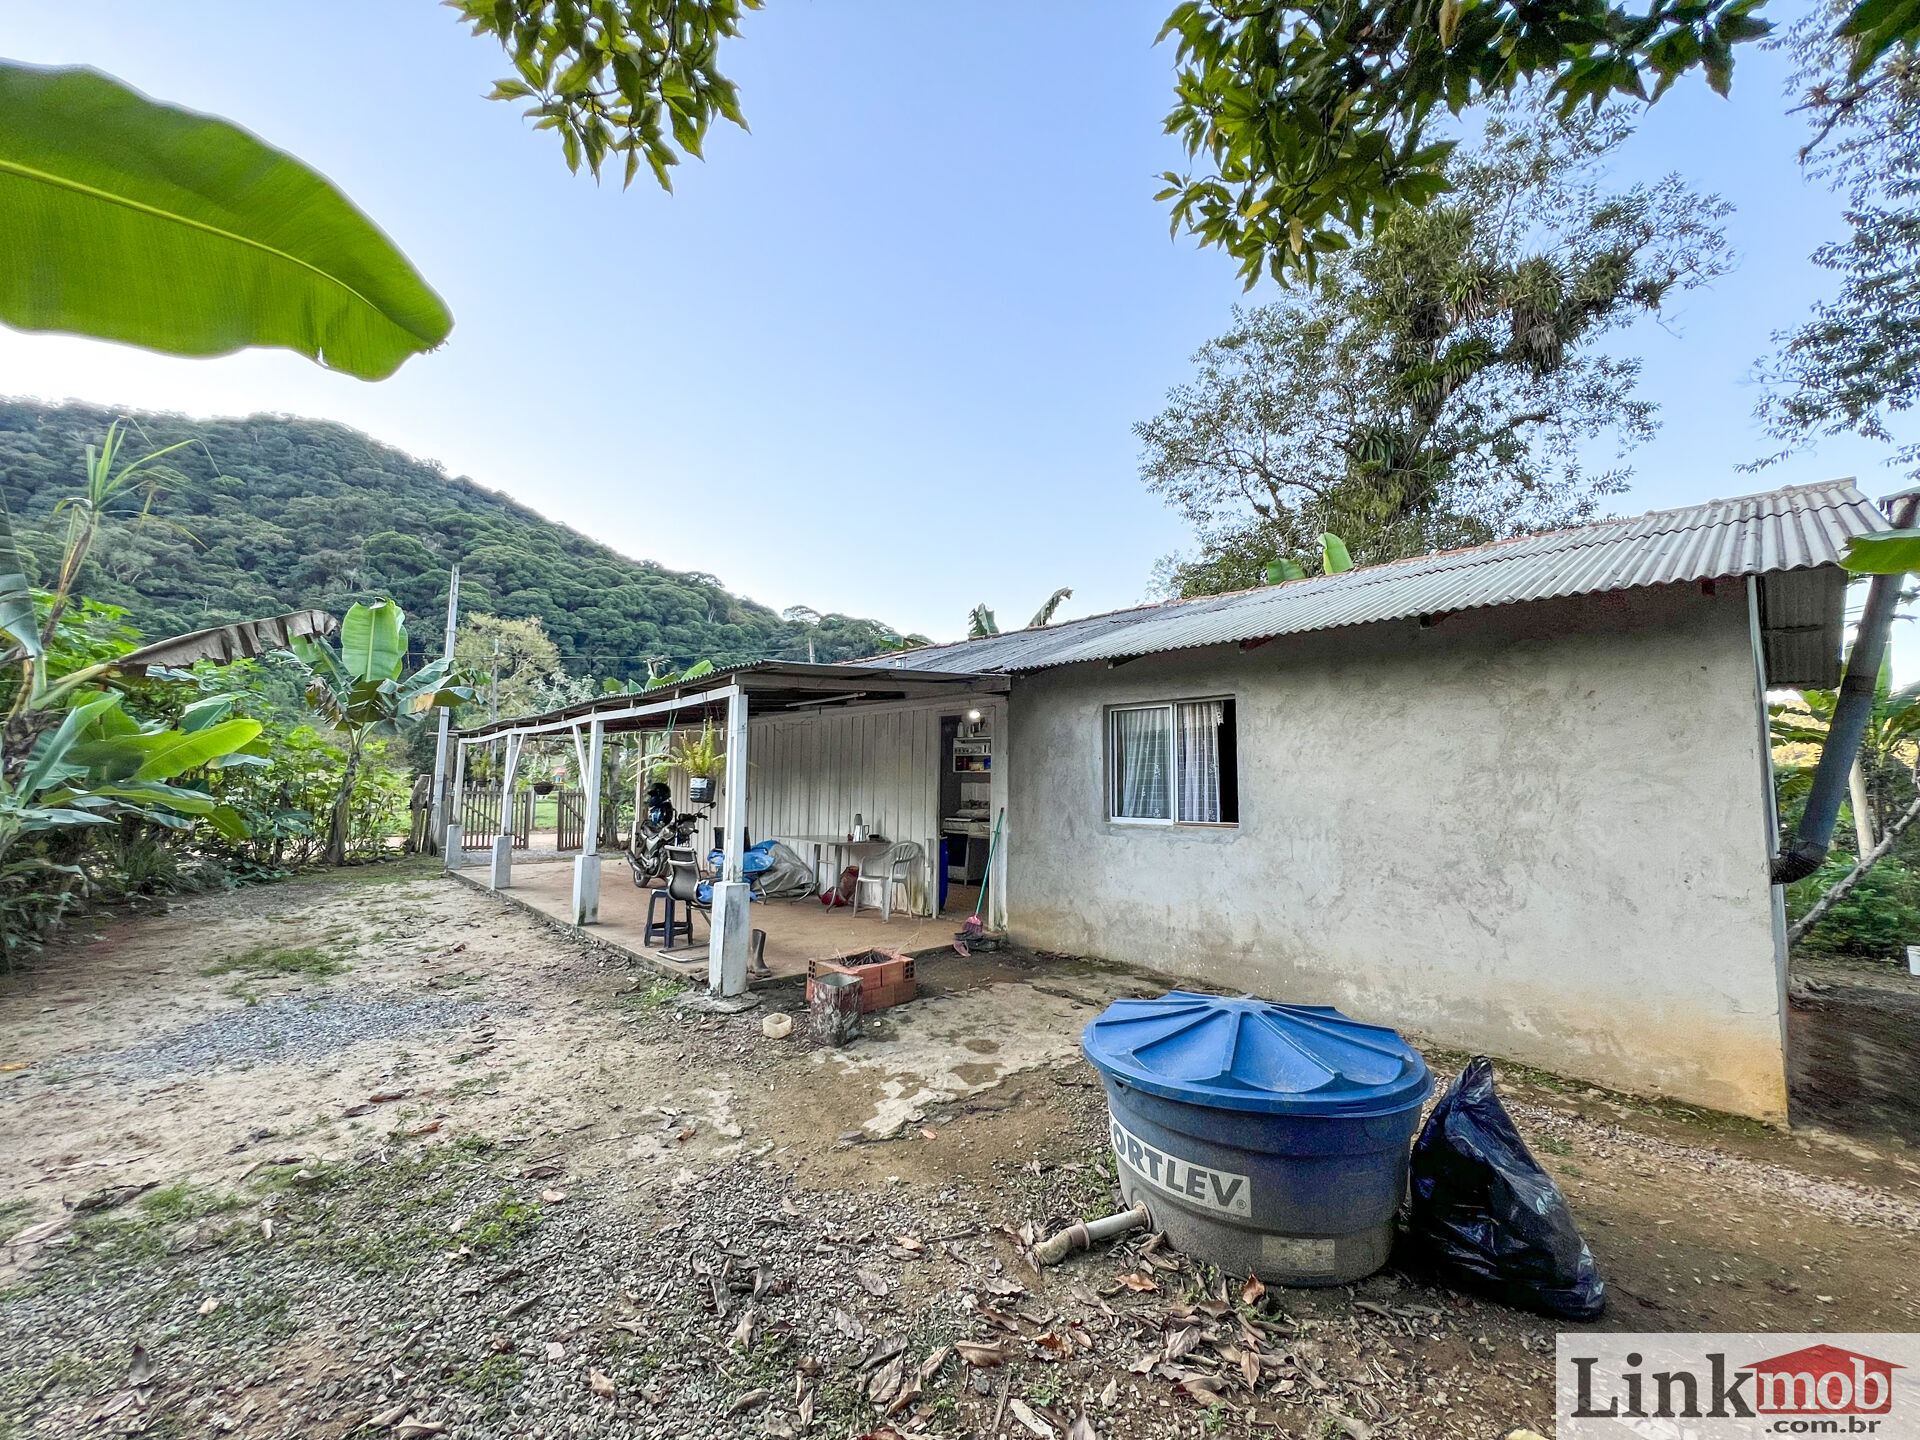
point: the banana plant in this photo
(99, 764)
(361, 687)
(1335, 559)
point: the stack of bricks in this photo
(886, 977)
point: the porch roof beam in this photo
(631, 712)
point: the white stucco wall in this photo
(1538, 832)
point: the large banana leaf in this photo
(174, 752)
(51, 761)
(16, 595)
(373, 641)
(130, 220)
(1889, 552)
(223, 644)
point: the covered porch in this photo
(914, 758)
(797, 930)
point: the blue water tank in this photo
(1267, 1139)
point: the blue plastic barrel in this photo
(1267, 1139)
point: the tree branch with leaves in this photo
(1439, 385)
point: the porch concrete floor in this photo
(797, 930)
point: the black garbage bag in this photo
(1485, 1216)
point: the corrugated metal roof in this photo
(1789, 529)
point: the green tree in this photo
(360, 686)
(1435, 386)
(633, 79)
(1856, 360)
(508, 660)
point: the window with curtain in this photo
(1143, 763)
(1175, 763)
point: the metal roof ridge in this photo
(1386, 570)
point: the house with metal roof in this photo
(1515, 798)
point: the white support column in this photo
(453, 838)
(586, 865)
(579, 756)
(731, 920)
(501, 877)
(998, 787)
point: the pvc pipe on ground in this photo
(1081, 1236)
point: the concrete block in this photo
(500, 877)
(452, 850)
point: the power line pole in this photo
(446, 722)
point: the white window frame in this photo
(1112, 749)
(1113, 765)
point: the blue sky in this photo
(881, 355)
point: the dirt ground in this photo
(1854, 1032)
(379, 1155)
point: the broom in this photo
(972, 929)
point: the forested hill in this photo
(285, 513)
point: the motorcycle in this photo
(658, 830)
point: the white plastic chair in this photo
(892, 866)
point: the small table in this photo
(839, 847)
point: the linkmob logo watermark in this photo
(1717, 1387)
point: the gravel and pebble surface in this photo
(473, 1291)
(289, 1028)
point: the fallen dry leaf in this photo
(1000, 1318)
(1139, 1284)
(1056, 1345)
(743, 1332)
(209, 1305)
(1197, 1388)
(1251, 1292)
(382, 1097)
(416, 1132)
(885, 1383)
(1250, 1367)
(926, 1134)
(140, 1367)
(930, 1367)
(553, 1197)
(556, 1351)
(411, 1429)
(1082, 1428)
(45, 1230)
(1144, 1364)
(387, 1419)
(907, 1242)
(1109, 1395)
(1181, 1342)
(872, 1283)
(749, 1401)
(266, 1229)
(1023, 1412)
(981, 1357)
(600, 1384)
